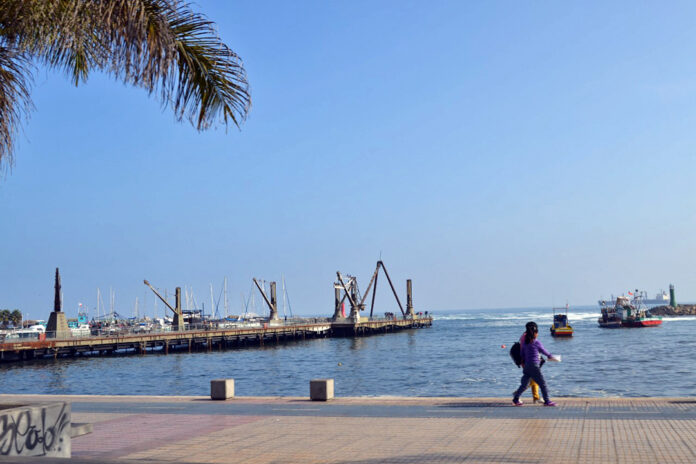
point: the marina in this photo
(201, 340)
(59, 340)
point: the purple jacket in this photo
(530, 352)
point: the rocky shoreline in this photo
(680, 310)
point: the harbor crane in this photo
(178, 322)
(272, 302)
(349, 288)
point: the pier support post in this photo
(354, 306)
(178, 323)
(337, 303)
(321, 389)
(409, 299)
(274, 303)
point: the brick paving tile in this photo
(134, 432)
(580, 430)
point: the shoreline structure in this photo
(680, 310)
(57, 340)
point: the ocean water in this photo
(460, 355)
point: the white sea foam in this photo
(515, 317)
(678, 318)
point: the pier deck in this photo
(379, 430)
(198, 340)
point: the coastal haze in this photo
(499, 155)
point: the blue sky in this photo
(500, 154)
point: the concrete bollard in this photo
(321, 389)
(221, 389)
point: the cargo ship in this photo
(626, 313)
(661, 299)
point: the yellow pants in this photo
(535, 390)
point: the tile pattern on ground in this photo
(616, 430)
(130, 433)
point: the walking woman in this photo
(531, 370)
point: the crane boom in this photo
(160, 297)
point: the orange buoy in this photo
(502, 346)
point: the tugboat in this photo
(560, 326)
(627, 313)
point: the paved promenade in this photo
(379, 430)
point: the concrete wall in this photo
(35, 430)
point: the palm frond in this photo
(15, 103)
(59, 33)
(168, 49)
(162, 46)
(212, 80)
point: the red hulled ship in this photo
(627, 313)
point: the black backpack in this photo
(515, 354)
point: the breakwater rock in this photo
(680, 310)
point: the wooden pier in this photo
(201, 340)
(58, 341)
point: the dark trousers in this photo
(532, 371)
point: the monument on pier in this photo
(57, 326)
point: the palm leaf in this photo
(15, 103)
(162, 46)
(168, 49)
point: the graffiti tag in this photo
(21, 435)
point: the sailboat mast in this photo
(285, 300)
(212, 302)
(226, 306)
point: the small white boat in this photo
(32, 332)
(82, 330)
